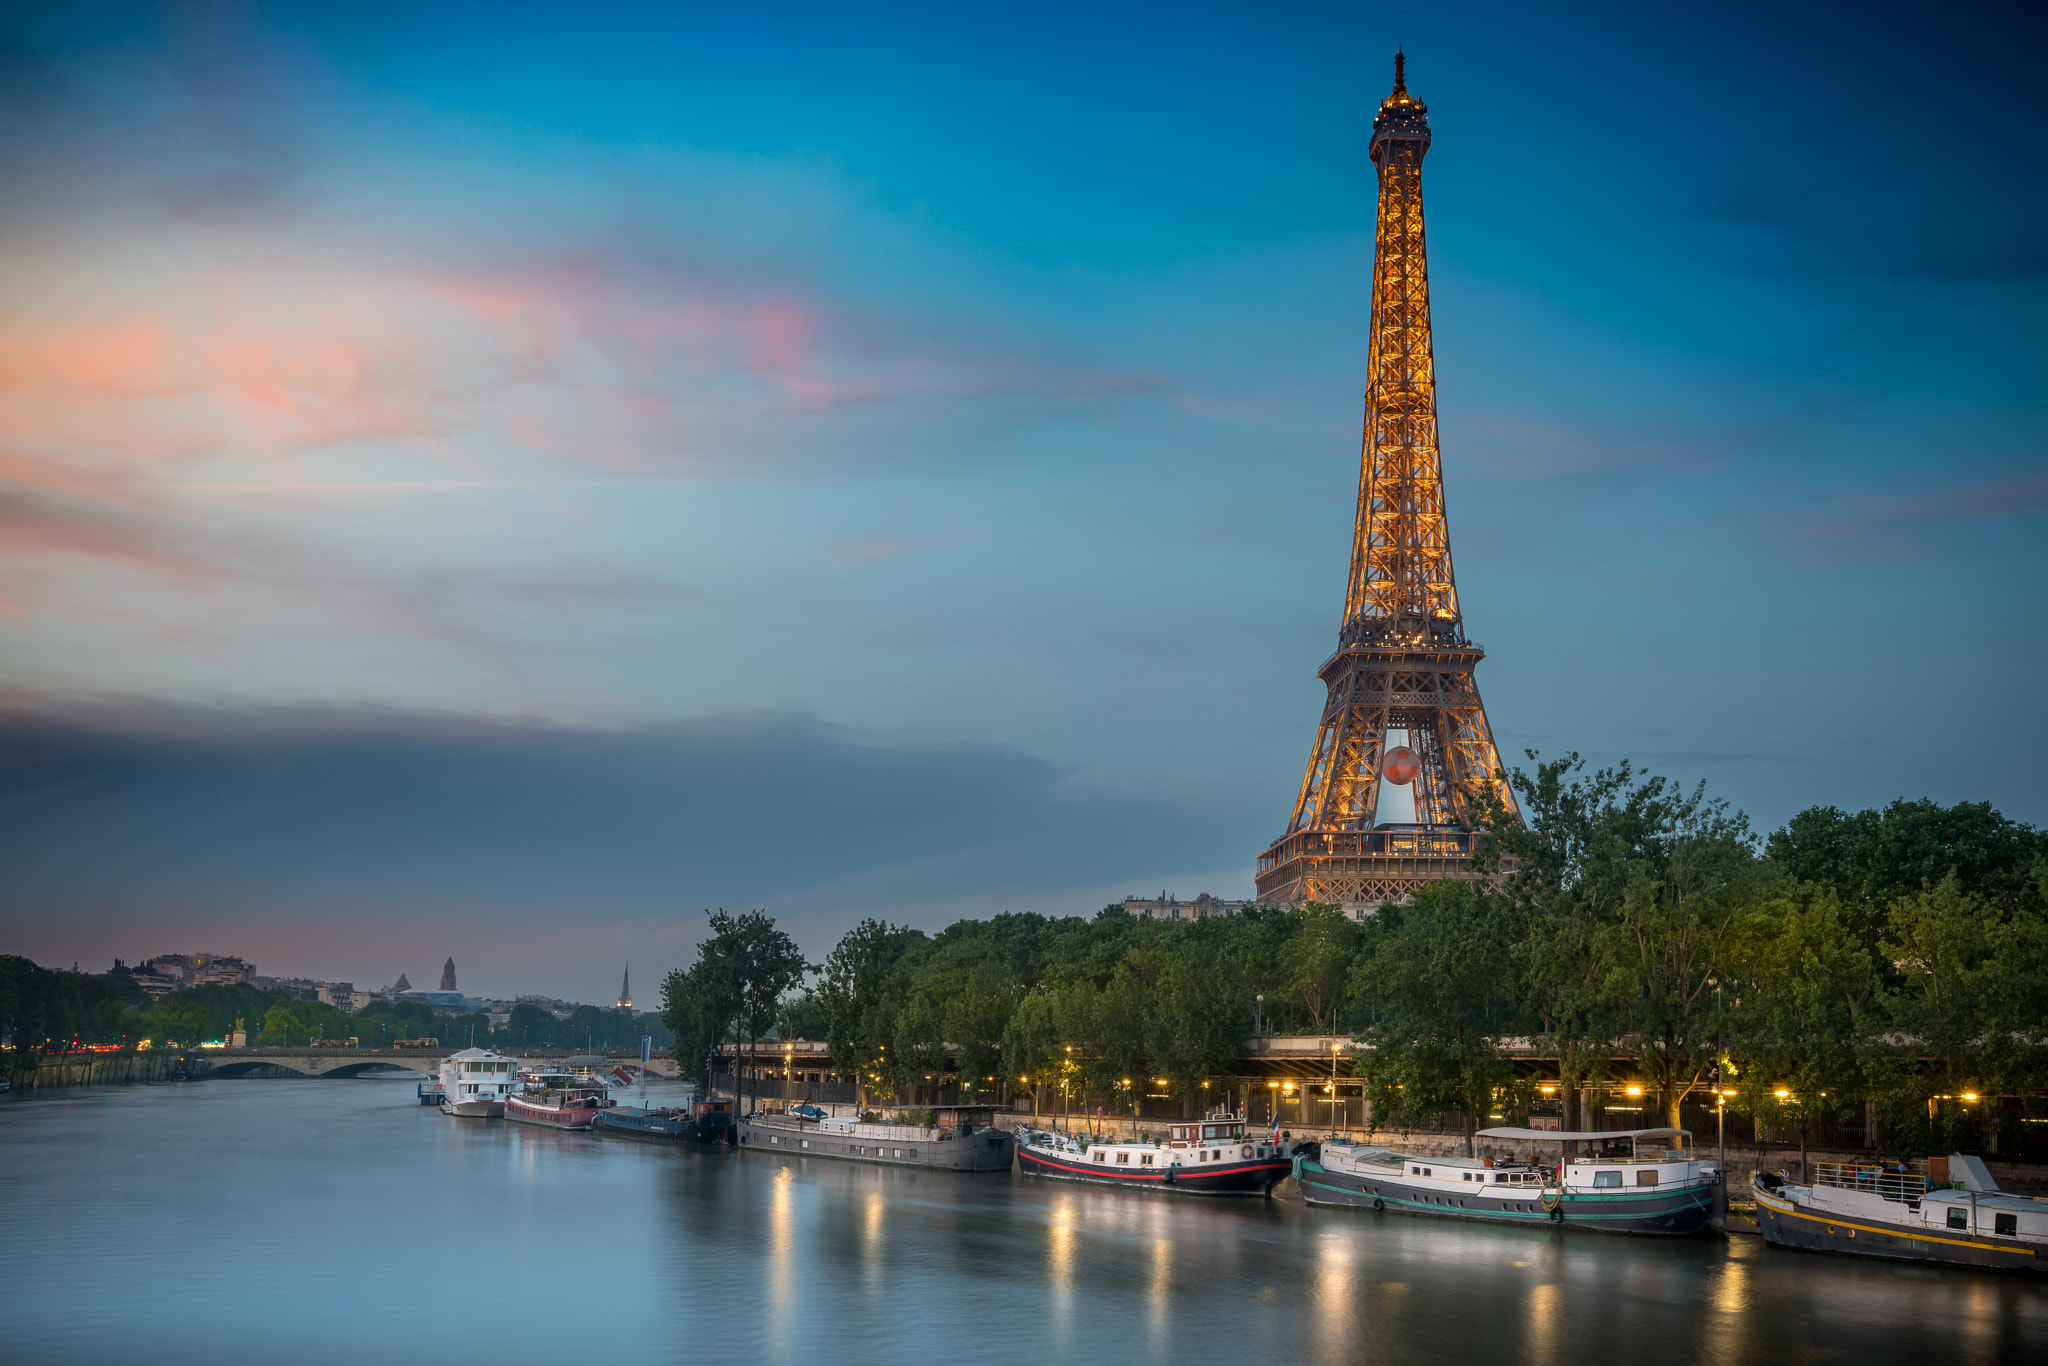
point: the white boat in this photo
(475, 1083)
(1942, 1210)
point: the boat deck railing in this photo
(1908, 1185)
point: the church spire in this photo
(626, 989)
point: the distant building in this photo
(440, 1000)
(1165, 907)
(197, 969)
(448, 974)
(401, 985)
(557, 1008)
(340, 995)
(358, 999)
(626, 989)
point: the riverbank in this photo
(95, 1069)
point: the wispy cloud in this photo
(1861, 525)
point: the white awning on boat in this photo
(1553, 1136)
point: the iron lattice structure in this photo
(1402, 661)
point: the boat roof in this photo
(474, 1053)
(1553, 1136)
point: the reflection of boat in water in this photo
(1942, 1210)
(475, 1082)
(963, 1138)
(557, 1100)
(1634, 1181)
(1212, 1156)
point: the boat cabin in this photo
(1208, 1131)
(1618, 1159)
(478, 1074)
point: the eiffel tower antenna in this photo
(1403, 664)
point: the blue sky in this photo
(497, 482)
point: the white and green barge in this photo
(1645, 1181)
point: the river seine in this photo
(339, 1221)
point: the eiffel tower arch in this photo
(1403, 707)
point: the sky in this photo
(499, 481)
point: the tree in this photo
(1197, 1010)
(1436, 978)
(1031, 1043)
(1317, 961)
(751, 964)
(863, 983)
(1795, 998)
(1869, 859)
(1966, 1017)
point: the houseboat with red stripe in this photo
(1210, 1156)
(557, 1100)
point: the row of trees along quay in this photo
(48, 1011)
(1632, 955)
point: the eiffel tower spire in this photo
(1403, 706)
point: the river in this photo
(339, 1221)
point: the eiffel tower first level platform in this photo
(1404, 760)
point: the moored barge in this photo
(1654, 1187)
(1211, 1156)
(557, 1100)
(962, 1138)
(1945, 1210)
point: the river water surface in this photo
(339, 1221)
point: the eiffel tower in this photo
(1404, 710)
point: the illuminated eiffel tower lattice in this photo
(1403, 723)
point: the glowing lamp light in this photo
(1401, 766)
(1782, 1094)
(1635, 1090)
(1969, 1095)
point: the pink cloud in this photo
(1896, 526)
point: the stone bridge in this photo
(354, 1062)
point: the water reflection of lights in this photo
(1336, 1280)
(1545, 1318)
(781, 1252)
(1062, 1242)
(1159, 1295)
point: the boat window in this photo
(1606, 1179)
(1102, 1157)
(1646, 1178)
(1426, 1171)
(1957, 1217)
(1499, 1177)
(1415, 1171)
(1123, 1159)
(1145, 1160)
(2006, 1225)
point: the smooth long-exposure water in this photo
(339, 1221)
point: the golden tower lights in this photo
(1402, 661)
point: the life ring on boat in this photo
(1247, 1150)
(1378, 1203)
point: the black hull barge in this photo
(1213, 1157)
(1946, 1211)
(1654, 1188)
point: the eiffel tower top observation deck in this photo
(1403, 708)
